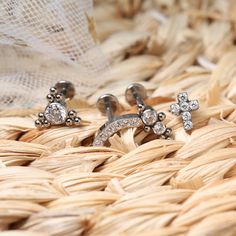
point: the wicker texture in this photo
(53, 183)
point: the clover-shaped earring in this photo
(184, 107)
(56, 112)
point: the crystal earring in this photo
(184, 107)
(56, 112)
(108, 105)
(152, 120)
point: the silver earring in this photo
(152, 120)
(108, 105)
(56, 112)
(184, 107)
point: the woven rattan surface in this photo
(52, 182)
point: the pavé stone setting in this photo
(110, 128)
(184, 107)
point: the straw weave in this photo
(52, 182)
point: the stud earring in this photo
(184, 107)
(152, 120)
(56, 112)
(108, 105)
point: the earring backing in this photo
(184, 107)
(108, 105)
(56, 112)
(136, 94)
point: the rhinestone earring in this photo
(152, 120)
(56, 112)
(108, 105)
(184, 107)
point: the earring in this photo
(136, 94)
(56, 112)
(183, 107)
(108, 105)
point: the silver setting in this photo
(152, 120)
(108, 104)
(56, 112)
(184, 107)
(114, 126)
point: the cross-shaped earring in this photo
(184, 107)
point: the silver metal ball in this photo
(53, 90)
(147, 128)
(77, 120)
(161, 116)
(72, 114)
(46, 123)
(41, 115)
(69, 122)
(50, 98)
(38, 123)
(168, 132)
(59, 97)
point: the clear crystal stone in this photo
(159, 128)
(175, 109)
(188, 125)
(149, 117)
(55, 113)
(186, 116)
(184, 106)
(183, 97)
(194, 105)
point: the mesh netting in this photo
(42, 42)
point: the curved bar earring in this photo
(56, 112)
(108, 104)
(136, 94)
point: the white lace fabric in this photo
(42, 42)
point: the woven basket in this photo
(52, 182)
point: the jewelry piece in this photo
(152, 120)
(108, 104)
(183, 107)
(56, 113)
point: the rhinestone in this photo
(159, 128)
(183, 97)
(55, 113)
(175, 109)
(184, 106)
(194, 105)
(188, 125)
(186, 116)
(149, 117)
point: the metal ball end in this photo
(69, 122)
(66, 88)
(59, 97)
(46, 123)
(50, 98)
(38, 123)
(133, 90)
(53, 90)
(168, 132)
(107, 100)
(41, 116)
(72, 114)
(77, 121)
(147, 128)
(161, 116)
